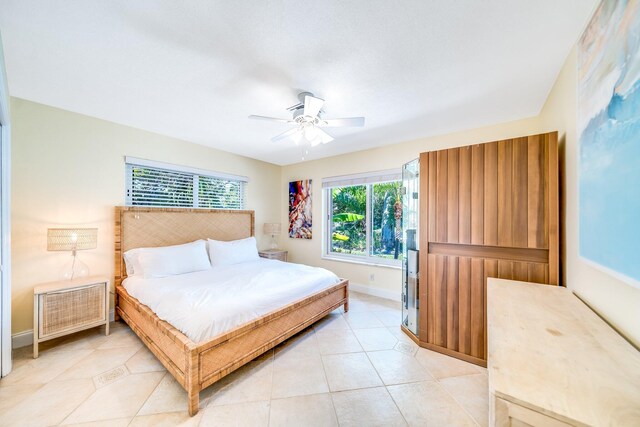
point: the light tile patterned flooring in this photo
(353, 369)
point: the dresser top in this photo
(69, 284)
(550, 352)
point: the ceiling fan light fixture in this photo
(311, 133)
(307, 117)
(297, 137)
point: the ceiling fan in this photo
(307, 116)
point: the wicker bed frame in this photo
(198, 365)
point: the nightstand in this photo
(68, 306)
(278, 254)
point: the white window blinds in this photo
(163, 185)
(362, 178)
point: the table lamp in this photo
(273, 229)
(72, 239)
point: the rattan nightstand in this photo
(64, 307)
(278, 254)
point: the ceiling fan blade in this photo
(320, 137)
(271, 119)
(347, 121)
(325, 137)
(285, 135)
(312, 105)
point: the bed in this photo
(198, 364)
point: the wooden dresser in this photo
(554, 362)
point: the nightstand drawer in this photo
(274, 254)
(71, 309)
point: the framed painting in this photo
(300, 209)
(609, 142)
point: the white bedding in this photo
(208, 303)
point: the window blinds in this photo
(161, 185)
(362, 178)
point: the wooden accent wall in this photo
(487, 210)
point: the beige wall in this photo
(68, 169)
(616, 301)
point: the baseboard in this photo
(23, 339)
(376, 292)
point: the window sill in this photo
(361, 262)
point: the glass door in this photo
(410, 235)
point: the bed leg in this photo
(346, 301)
(194, 401)
(193, 385)
(116, 316)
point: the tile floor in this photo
(353, 369)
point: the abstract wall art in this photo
(609, 142)
(300, 209)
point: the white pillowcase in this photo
(166, 261)
(233, 252)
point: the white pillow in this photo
(166, 261)
(233, 252)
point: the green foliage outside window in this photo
(349, 220)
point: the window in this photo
(159, 184)
(363, 217)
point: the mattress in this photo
(205, 304)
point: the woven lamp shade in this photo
(70, 239)
(271, 228)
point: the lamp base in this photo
(274, 242)
(74, 269)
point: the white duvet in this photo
(208, 303)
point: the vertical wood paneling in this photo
(520, 193)
(505, 193)
(544, 143)
(433, 169)
(442, 196)
(464, 195)
(432, 294)
(505, 270)
(440, 301)
(477, 194)
(536, 273)
(494, 194)
(521, 271)
(490, 270)
(546, 274)
(452, 196)
(491, 194)
(452, 303)
(464, 307)
(554, 225)
(535, 193)
(477, 307)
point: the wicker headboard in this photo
(138, 227)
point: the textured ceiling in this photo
(196, 69)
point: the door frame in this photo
(5, 226)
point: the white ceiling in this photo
(196, 69)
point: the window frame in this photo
(368, 180)
(195, 173)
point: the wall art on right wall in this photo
(609, 144)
